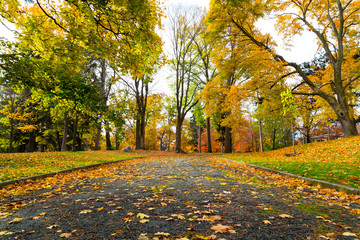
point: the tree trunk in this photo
(31, 147)
(199, 139)
(64, 138)
(169, 143)
(228, 140)
(108, 140)
(58, 140)
(293, 137)
(74, 134)
(349, 126)
(98, 136)
(261, 137)
(11, 135)
(179, 123)
(329, 133)
(79, 139)
(137, 133)
(208, 135)
(274, 139)
(117, 142)
(142, 132)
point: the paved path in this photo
(175, 198)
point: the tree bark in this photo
(199, 139)
(75, 134)
(11, 135)
(108, 140)
(98, 136)
(228, 140)
(274, 138)
(117, 142)
(261, 137)
(64, 138)
(208, 135)
(292, 136)
(31, 147)
(179, 123)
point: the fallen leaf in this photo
(15, 220)
(266, 222)
(85, 211)
(65, 235)
(130, 214)
(162, 234)
(113, 211)
(221, 228)
(163, 204)
(349, 234)
(144, 221)
(99, 209)
(143, 237)
(52, 226)
(215, 218)
(285, 216)
(330, 235)
(2, 233)
(141, 215)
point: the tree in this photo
(207, 70)
(333, 23)
(184, 29)
(290, 107)
(200, 120)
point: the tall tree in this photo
(333, 23)
(184, 29)
(207, 70)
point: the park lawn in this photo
(336, 161)
(18, 165)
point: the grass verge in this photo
(336, 161)
(18, 165)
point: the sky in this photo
(304, 46)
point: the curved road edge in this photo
(50, 174)
(325, 184)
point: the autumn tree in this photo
(184, 29)
(207, 70)
(333, 23)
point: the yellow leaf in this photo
(221, 228)
(52, 226)
(99, 209)
(141, 215)
(2, 233)
(144, 221)
(162, 234)
(285, 216)
(85, 211)
(349, 234)
(65, 235)
(266, 222)
(16, 220)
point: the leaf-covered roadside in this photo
(176, 198)
(18, 165)
(335, 161)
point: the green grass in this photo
(335, 161)
(18, 165)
